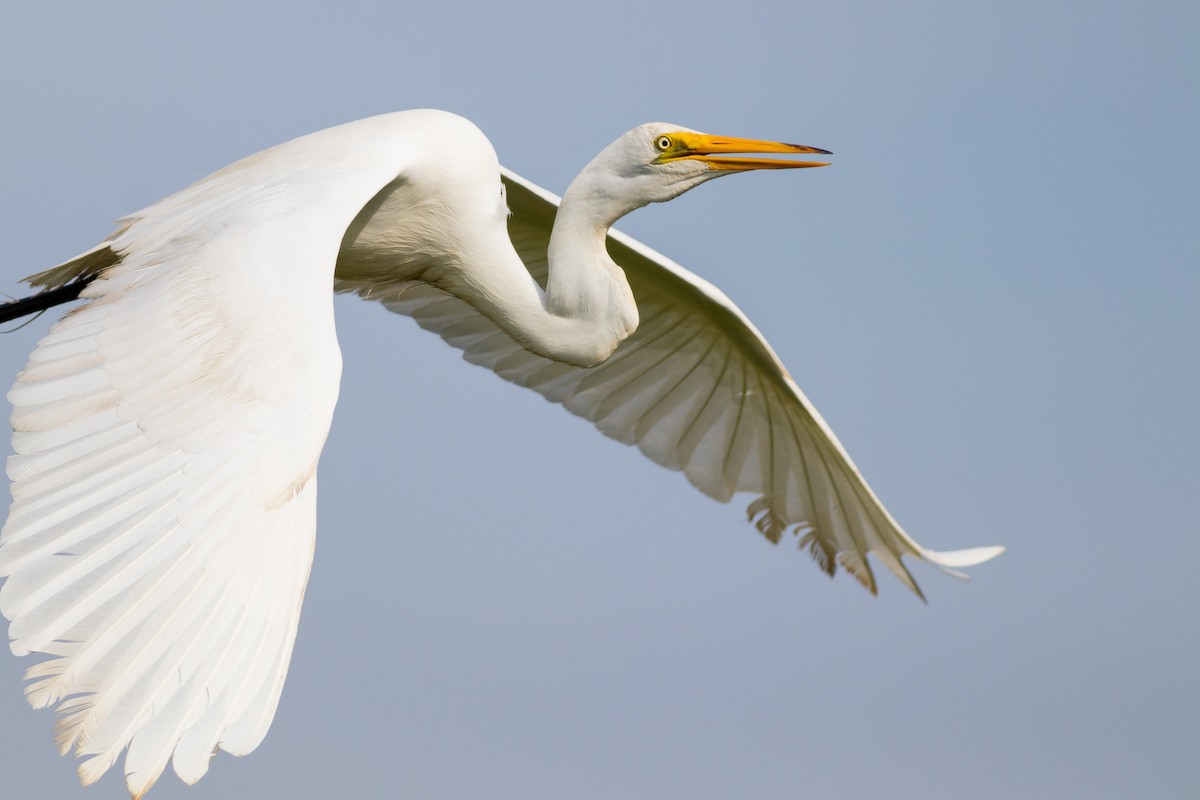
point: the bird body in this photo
(167, 431)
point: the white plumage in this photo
(167, 432)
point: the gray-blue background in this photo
(992, 297)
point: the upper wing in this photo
(697, 389)
(167, 435)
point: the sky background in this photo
(992, 298)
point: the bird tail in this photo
(85, 265)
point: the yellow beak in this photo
(703, 147)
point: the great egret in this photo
(167, 432)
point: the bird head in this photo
(659, 161)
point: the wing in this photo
(167, 434)
(697, 389)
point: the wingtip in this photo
(950, 561)
(963, 558)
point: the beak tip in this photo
(803, 148)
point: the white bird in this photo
(167, 431)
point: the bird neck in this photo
(584, 285)
(587, 308)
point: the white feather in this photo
(163, 518)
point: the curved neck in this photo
(587, 308)
(584, 284)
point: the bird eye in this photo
(663, 143)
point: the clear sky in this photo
(992, 297)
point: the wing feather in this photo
(166, 436)
(696, 388)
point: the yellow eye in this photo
(663, 143)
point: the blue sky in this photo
(991, 297)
